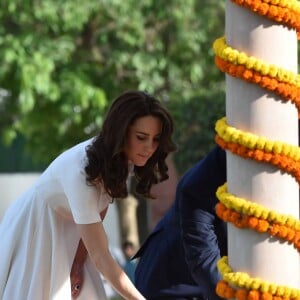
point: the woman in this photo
(40, 232)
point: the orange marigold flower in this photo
(219, 208)
(257, 78)
(241, 294)
(229, 292)
(226, 215)
(234, 216)
(263, 9)
(290, 235)
(245, 221)
(263, 226)
(231, 70)
(283, 231)
(297, 237)
(274, 229)
(240, 223)
(253, 295)
(220, 288)
(248, 74)
(240, 69)
(253, 222)
(273, 11)
(268, 156)
(266, 296)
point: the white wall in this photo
(13, 184)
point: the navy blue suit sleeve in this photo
(197, 200)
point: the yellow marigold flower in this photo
(272, 288)
(277, 148)
(290, 222)
(231, 55)
(252, 142)
(258, 212)
(260, 143)
(280, 291)
(286, 76)
(249, 64)
(286, 149)
(272, 216)
(244, 140)
(258, 66)
(264, 70)
(296, 152)
(273, 71)
(256, 283)
(287, 292)
(297, 226)
(269, 146)
(281, 219)
(235, 137)
(265, 214)
(242, 58)
(264, 287)
(297, 155)
(293, 151)
(225, 53)
(294, 294)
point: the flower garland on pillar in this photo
(238, 211)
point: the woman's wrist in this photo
(81, 254)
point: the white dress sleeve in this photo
(84, 200)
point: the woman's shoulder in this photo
(74, 157)
(77, 150)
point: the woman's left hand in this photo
(76, 277)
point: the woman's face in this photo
(142, 139)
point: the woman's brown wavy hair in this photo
(106, 159)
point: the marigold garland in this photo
(242, 213)
(281, 161)
(284, 12)
(231, 55)
(224, 290)
(244, 281)
(246, 214)
(252, 141)
(282, 232)
(245, 207)
(287, 91)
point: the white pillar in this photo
(253, 109)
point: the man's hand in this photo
(76, 275)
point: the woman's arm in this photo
(76, 274)
(95, 240)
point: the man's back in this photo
(173, 248)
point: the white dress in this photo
(38, 233)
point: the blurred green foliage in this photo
(63, 62)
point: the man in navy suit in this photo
(178, 260)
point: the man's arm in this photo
(201, 250)
(201, 237)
